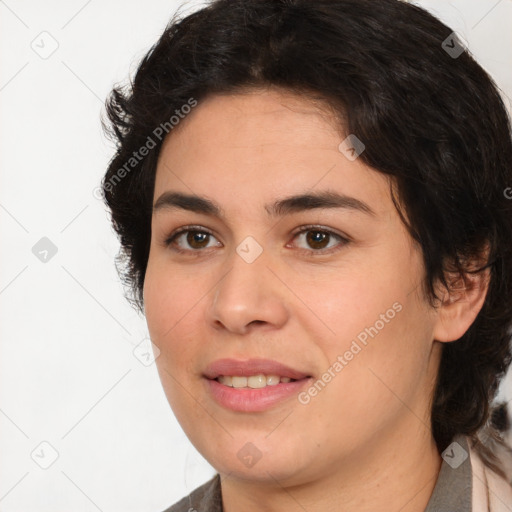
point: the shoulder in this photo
(490, 490)
(205, 498)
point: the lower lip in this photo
(254, 400)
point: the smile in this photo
(253, 381)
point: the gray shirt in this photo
(453, 489)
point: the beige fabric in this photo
(491, 492)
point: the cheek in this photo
(387, 360)
(169, 311)
(169, 298)
(376, 382)
(174, 316)
(352, 300)
(376, 323)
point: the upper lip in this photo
(235, 367)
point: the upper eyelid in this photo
(318, 227)
(296, 231)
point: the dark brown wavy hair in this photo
(432, 120)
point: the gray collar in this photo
(453, 489)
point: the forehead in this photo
(262, 115)
(257, 145)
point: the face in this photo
(328, 289)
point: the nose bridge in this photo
(248, 291)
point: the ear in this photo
(461, 304)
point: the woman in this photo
(311, 201)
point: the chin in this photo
(247, 464)
(264, 473)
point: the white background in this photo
(68, 375)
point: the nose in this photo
(249, 295)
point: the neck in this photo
(392, 472)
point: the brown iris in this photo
(315, 240)
(197, 236)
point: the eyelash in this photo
(304, 229)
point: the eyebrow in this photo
(281, 207)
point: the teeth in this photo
(239, 382)
(226, 380)
(272, 380)
(254, 381)
(257, 381)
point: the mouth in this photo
(253, 381)
(252, 369)
(253, 385)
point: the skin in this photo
(364, 442)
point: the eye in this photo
(196, 238)
(319, 238)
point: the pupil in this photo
(315, 240)
(195, 237)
